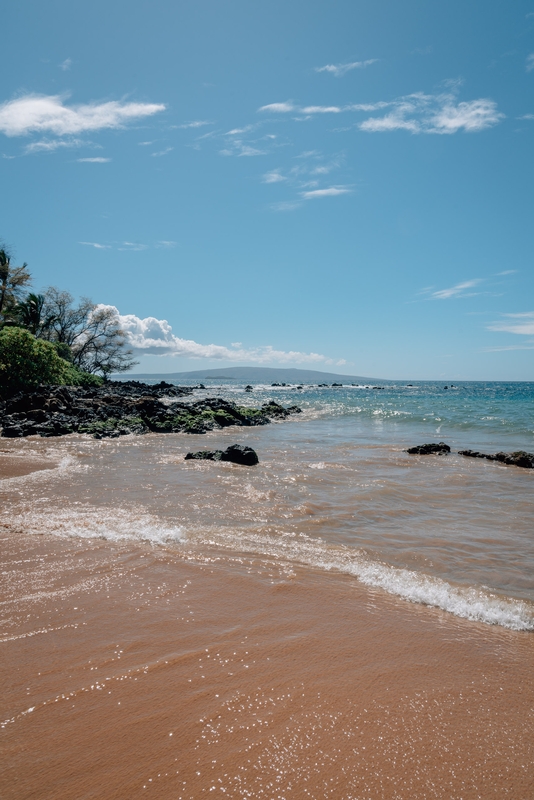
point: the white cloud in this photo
(49, 145)
(459, 290)
(527, 346)
(132, 246)
(286, 205)
(274, 177)
(321, 110)
(166, 244)
(125, 246)
(163, 152)
(237, 131)
(338, 70)
(97, 160)
(527, 116)
(438, 114)
(529, 66)
(97, 245)
(154, 336)
(522, 324)
(416, 113)
(475, 115)
(279, 108)
(66, 65)
(48, 113)
(197, 123)
(237, 148)
(332, 191)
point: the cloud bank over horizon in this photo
(152, 336)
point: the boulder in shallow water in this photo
(236, 453)
(205, 455)
(429, 449)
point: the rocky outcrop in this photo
(236, 454)
(519, 458)
(119, 408)
(429, 449)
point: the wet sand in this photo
(132, 671)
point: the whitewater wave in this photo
(477, 604)
(474, 603)
(115, 525)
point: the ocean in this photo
(343, 620)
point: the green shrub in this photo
(26, 362)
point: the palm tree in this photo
(29, 313)
(12, 281)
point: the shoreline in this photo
(150, 674)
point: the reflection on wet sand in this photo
(129, 671)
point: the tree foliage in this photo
(13, 281)
(26, 362)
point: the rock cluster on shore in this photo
(519, 458)
(120, 408)
(427, 449)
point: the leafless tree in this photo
(91, 333)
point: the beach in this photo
(343, 620)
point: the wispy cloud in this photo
(35, 113)
(197, 123)
(124, 246)
(97, 245)
(155, 336)
(505, 348)
(338, 70)
(238, 148)
(163, 152)
(529, 65)
(459, 290)
(166, 244)
(97, 160)
(286, 205)
(132, 246)
(416, 113)
(279, 108)
(273, 177)
(66, 65)
(49, 145)
(331, 191)
(522, 324)
(435, 114)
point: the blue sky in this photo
(344, 186)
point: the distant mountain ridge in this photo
(255, 375)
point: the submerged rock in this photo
(519, 458)
(236, 453)
(429, 449)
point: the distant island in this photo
(257, 375)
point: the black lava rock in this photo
(120, 408)
(236, 453)
(520, 458)
(429, 449)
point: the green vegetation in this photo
(26, 362)
(46, 338)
